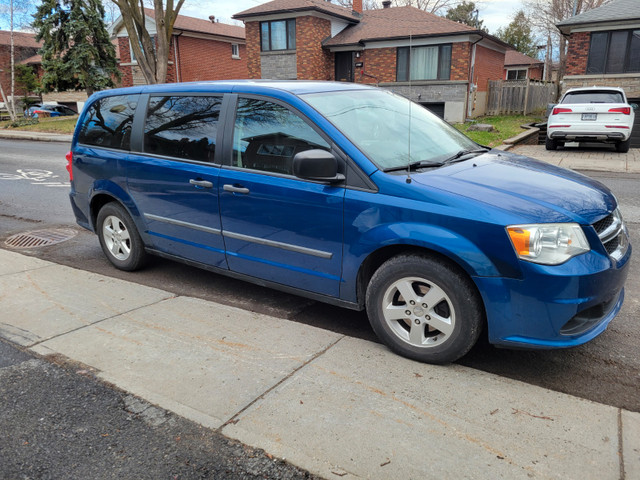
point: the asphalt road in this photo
(59, 422)
(606, 370)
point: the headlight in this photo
(548, 243)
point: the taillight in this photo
(69, 157)
(624, 110)
(558, 110)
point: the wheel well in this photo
(377, 258)
(97, 203)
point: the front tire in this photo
(119, 237)
(423, 309)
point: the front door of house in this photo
(344, 66)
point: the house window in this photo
(424, 63)
(235, 50)
(133, 55)
(278, 35)
(614, 52)
(517, 74)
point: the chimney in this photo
(212, 18)
(357, 6)
(386, 4)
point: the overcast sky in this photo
(494, 13)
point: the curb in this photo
(41, 137)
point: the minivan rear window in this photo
(108, 122)
(182, 127)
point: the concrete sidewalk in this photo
(35, 136)
(334, 405)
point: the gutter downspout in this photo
(177, 60)
(472, 65)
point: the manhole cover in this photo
(40, 238)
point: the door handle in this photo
(201, 183)
(235, 189)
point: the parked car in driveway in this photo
(591, 114)
(45, 110)
(354, 196)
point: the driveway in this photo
(602, 158)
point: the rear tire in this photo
(623, 147)
(423, 309)
(550, 144)
(119, 238)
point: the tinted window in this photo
(593, 97)
(182, 127)
(108, 122)
(614, 52)
(267, 136)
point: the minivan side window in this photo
(108, 122)
(182, 127)
(267, 136)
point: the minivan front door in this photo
(275, 226)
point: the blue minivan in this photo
(355, 196)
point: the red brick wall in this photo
(19, 53)
(577, 53)
(201, 59)
(535, 73)
(489, 65)
(460, 57)
(379, 65)
(126, 73)
(313, 62)
(252, 34)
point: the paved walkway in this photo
(337, 406)
(600, 158)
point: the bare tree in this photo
(544, 15)
(152, 54)
(432, 6)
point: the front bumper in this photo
(555, 306)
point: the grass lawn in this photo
(64, 125)
(505, 126)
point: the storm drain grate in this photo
(40, 238)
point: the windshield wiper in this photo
(414, 166)
(463, 153)
(435, 164)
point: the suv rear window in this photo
(108, 122)
(603, 96)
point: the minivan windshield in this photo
(391, 130)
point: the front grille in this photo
(613, 234)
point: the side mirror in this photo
(634, 106)
(318, 165)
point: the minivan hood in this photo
(534, 190)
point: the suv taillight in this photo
(69, 157)
(624, 110)
(558, 110)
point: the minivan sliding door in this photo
(174, 182)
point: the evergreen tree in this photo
(77, 52)
(465, 12)
(518, 34)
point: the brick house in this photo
(604, 49)
(24, 46)
(518, 66)
(199, 50)
(439, 63)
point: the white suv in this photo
(591, 114)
